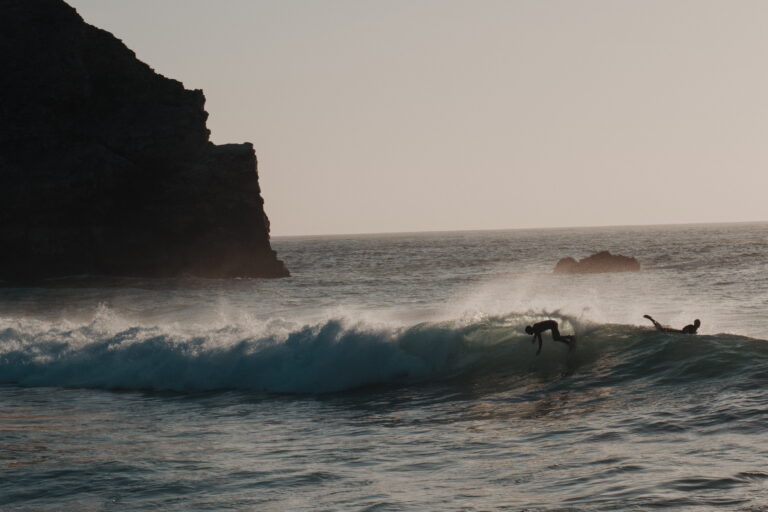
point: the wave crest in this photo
(341, 354)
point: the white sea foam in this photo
(284, 356)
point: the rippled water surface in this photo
(391, 372)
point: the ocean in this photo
(392, 373)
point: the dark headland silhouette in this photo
(602, 261)
(106, 166)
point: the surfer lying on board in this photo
(688, 329)
(548, 325)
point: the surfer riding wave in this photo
(548, 325)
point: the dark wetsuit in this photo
(549, 325)
(688, 329)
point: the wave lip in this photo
(319, 358)
(338, 355)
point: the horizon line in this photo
(521, 229)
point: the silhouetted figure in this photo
(548, 325)
(688, 329)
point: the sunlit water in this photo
(391, 372)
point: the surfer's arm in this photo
(538, 337)
(656, 324)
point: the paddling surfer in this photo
(548, 325)
(688, 329)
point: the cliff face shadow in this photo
(106, 166)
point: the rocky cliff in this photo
(106, 166)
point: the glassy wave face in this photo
(393, 373)
(339, 355)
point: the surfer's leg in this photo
(556, 336)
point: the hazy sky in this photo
(416, 115)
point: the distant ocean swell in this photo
(338, 354)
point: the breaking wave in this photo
(342, 354)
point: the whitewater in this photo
(392, 372)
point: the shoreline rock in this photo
(601, 262)
(106, 167)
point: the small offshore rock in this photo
(600, 262)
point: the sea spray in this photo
(342, 354)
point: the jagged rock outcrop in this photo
(106, 166)
(602, 261)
